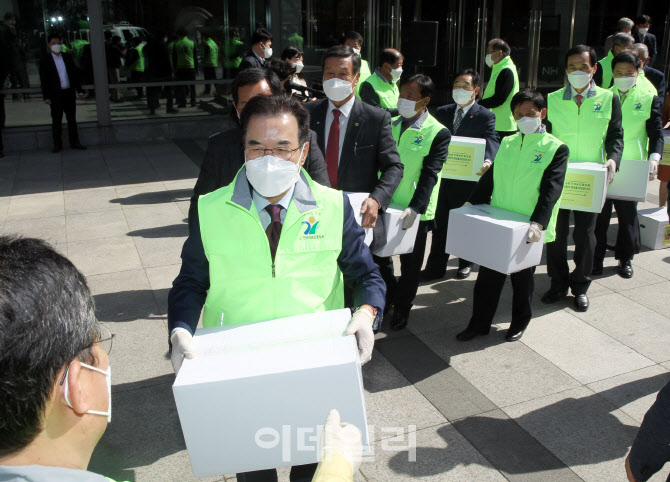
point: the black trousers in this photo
(64, 101)
(388, 275)
(210, 74)
(299, 473)
(453, 194)
(185, 74)
(557, 252)
(154, 93)
(136, 77)
(628, 236)
(489, 286)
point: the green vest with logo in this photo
(185, 48)
(644, 84)
(517, 173)
(606, 68)
(504, 119)
(583, 129)
(365, 73)
(387, 91)
(245, 284)
(212, 57)
(635, 111)
(138, 66)
(413, 145)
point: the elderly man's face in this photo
(278, 133)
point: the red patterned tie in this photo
(579, 98)
(273, 230)
(333, 149)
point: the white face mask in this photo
(579, 79)
(267, 53)
(624, 84)
(528, 125)
(643, 31)
(407, 108)
(395, 74)
(271, 176)
(337, 89)
(298, 67)
(57, 48)
(108, 376)
(462, 96)
(357, 51)
(489, 60)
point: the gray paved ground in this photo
(562, 404)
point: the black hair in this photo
(579, 50)
(471, 72)
(389, 56)
(254, 76)
(343, 52)
(260, 35)
(528, 95)
(290, 52)
(274, 106)
(54, 35)
(642, 19)
(181, 32)
(352, 35)
(626, 57)
(426, 85)
(47, 319)
(499, 44)
(282, 68)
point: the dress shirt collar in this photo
(415, 123)
(589, 92)
(465, 109)
(345, 109)
(258, 56)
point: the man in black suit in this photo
(261, 49)
(465, 118)
(361, 155)
(59, 80)
(655, 77)
(642, 35)
(225, 153)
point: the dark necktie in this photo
(459, 118)
(578, 99)
(274, 228)
(333, 149)
(404, 127)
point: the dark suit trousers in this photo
(453, 194)
(299, 473)
(407, 285)
(628, 237)
(210, 74)
(557, 252)
(64, 102)
(185, 74)
(489, 286)
(387, 273)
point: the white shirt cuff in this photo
(490, 161)
(179, 329)
(654, 156)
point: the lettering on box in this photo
(666, 235)
(578, 190)
(460, 161)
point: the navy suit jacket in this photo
(479, 122)
(250, 61)
(657, 78)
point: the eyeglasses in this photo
(280, 152)
(103, 337)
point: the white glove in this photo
(534, 233)
(181, 348)
(361, 326)
(485, 167)
(611, 170)
(343, 439)
(653, 170)
(408, 217)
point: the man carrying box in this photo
(643, 139)
(423, 145)
(273, 244)
(526, 178)
(588, 119)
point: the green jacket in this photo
(365, 73)
(388, 92)
(606, 68)
(211, 57)
(185, 49)
(635, 111)
(504, 118)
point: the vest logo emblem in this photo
(597, 107)
(418, 140)
(311, 226)
(538, 158)
(638, 106)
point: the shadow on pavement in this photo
(155, 197)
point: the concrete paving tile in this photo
(162, 251)
(610, 279)
(442, 454)
(166, 214)
(580, 350)
(51, 229)
(634, 325)
(633, 393)
(160, 279)
(655, 261)
(96, 225)
(44, 185)
(30, 206)
(143, 195)
(582, 429)
(435, 309)
(125, 295)
(80, 201)
(184, 207)
(654, 297)
(92, 257)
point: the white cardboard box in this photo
(630, 183)
(585, 187)
(356, 199)
(492, 237)
(257, 395)
(654, 228)
(465, 158)
(398, 240)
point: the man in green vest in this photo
(588, 119)
(186, 65)
(232, 53)
(210, 59)
(381, 89)
(620, 42)
(355, 41)
(527, 178)
(423, 145)
(502, 86)
(643, 83)
(135, 59)
(643, 140)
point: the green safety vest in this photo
(138, 66)
(583, 129)
(388, 92)
(78, 51)
(606, 67)
(517, 173)
(644, 83)
(635, 110)
(171, 53)
(413, 146)
(364, 74)
(231, 53)
(504, 118)
(245, 284)
(212, 58)
(185, 49)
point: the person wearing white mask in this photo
(620, 42)
(355, 41)
(588, 119)
(261, 49)
(643, 140)
(502, 86)
(295, 57)
(527, 177)
(381, 88)
(642, 35)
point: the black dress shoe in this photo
(464, 272)
(514, 335)
(552, 296)
(428, 275)
(581, 303)
(57, 149)
(399, 320)
(625, 269)
(79, 147)
(469, 333)
(597, 269)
